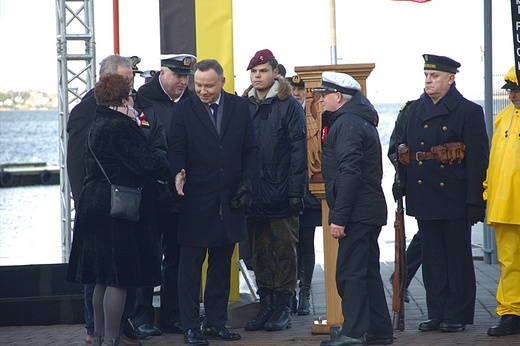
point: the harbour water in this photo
(30, 227)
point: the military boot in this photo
(281, 317)
(265, 312)
(305, 272)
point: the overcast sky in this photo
(391, 34)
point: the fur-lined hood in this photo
(281, 89)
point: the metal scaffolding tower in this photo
(76, 76)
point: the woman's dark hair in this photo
(112, 89)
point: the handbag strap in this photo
(99, 163)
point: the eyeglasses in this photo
(133, 95)
(327, 93)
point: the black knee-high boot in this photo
(305, 272)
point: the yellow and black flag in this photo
(203, 28)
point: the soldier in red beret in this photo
(273, 218)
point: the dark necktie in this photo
(214, 107)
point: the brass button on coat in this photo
(419, 181)
(425, 126)
(441, 184)
(444, 128)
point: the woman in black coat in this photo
(111, 252)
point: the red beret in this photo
(261, 57)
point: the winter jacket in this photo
(352, 165)
(280, 131)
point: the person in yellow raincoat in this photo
(502, 192)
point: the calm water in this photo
(29, 216)
(29, 136)
(30, 231)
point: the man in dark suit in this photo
(78, 126)
(213, 155)
(167, 87)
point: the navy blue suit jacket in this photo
(215, 165)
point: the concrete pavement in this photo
(300, 333)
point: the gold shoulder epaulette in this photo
(405, 105)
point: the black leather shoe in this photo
(220, 333)
(451, 326)
(508, 325)
(149, 329)
(429, 325)
(376, 339)
(194, 336)
(175, 328)
(343, 340)
(132, 333)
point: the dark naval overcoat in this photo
(442, 191)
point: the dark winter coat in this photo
(352, 165)
(106, 250)
(163, 104)
(215, 164)
(79, 122)
(442, 191)
(280, 131)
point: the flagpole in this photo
(333, 56)
(489, 242)
(115, 6)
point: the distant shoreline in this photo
(27, 100)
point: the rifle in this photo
(400, 248)
(399, 268)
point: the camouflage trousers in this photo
(273, 248)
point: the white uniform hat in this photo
(333, 82)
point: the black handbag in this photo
(124, 201)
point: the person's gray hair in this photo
(346, 97)
(112, 63)
(210, 64)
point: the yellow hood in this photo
(511, 76)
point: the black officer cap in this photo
(180, 63)
(135, 60)
(440, 63)
(282, 70)
(296, 81)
